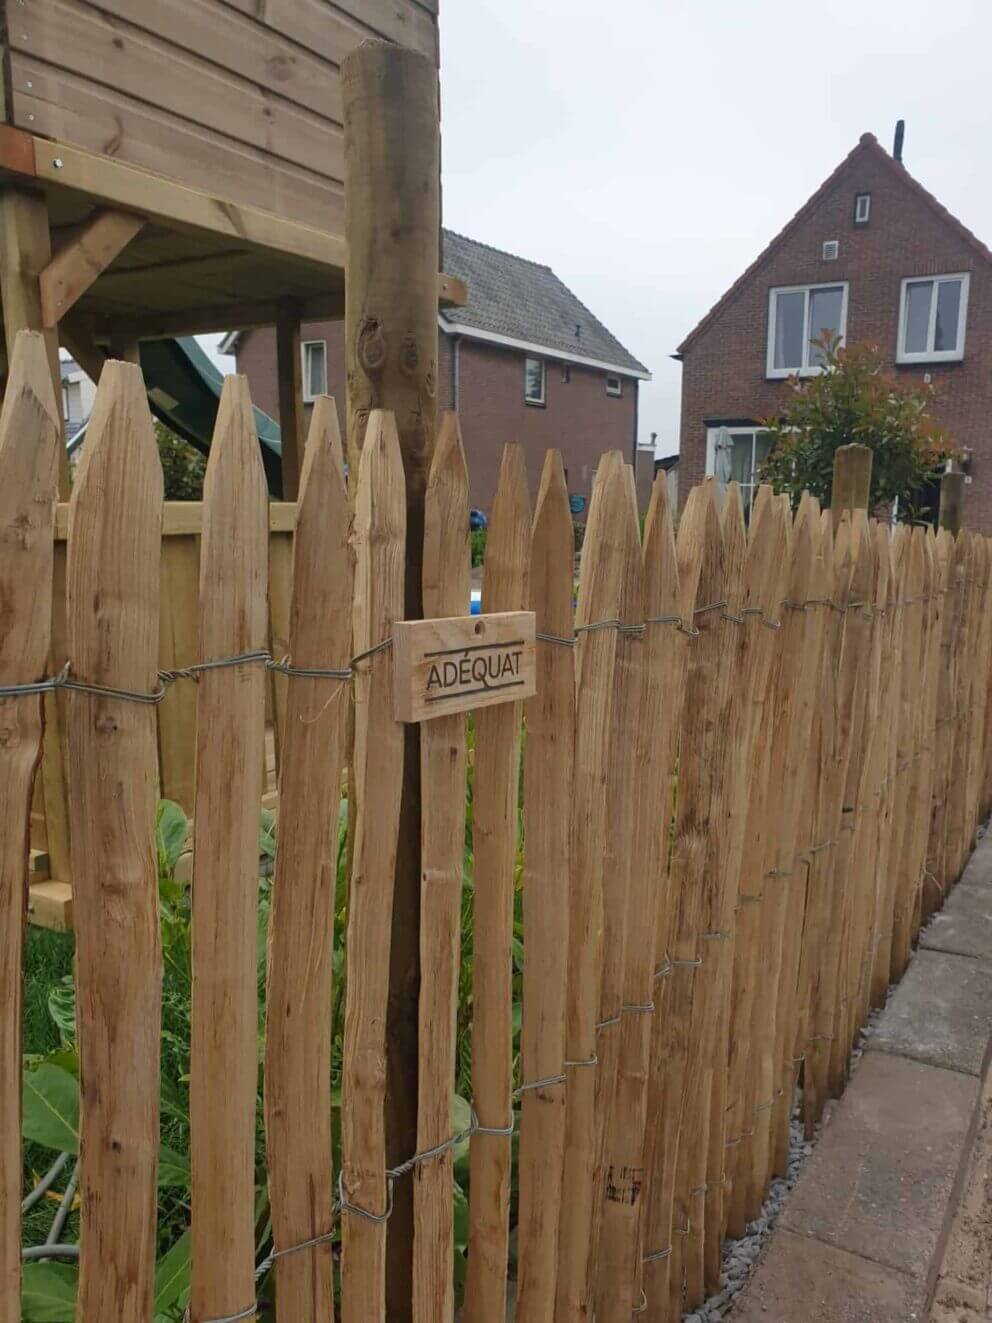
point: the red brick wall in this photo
(578, 416)
(723, 375)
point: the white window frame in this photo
(534, 400)
(747, 488)
(862, 215)
(618, 390)
(807, 370)
(954, 355)
(308, 396)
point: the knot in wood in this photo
(409, 356)
(371, 345)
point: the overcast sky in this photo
(648, 150)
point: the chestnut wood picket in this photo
(756, 762)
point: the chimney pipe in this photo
(900, 134)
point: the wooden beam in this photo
(392, 169)
(176, 205)
(183, 518)
(289, 369)
(851, 489)
(221, 317)
(87, 354)
(74, 268)
(452, 291)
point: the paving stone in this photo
(879, 1181)
(978, 869)
(941, 1013)
(964, 925)
(803, 1281)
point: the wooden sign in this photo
(462, 663)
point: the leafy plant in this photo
(856, 399)
(183, 467)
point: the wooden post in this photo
(29, 441)
(230, 730)
(852, 480)
(392, 229)
(113, 615)
(951, 500)
(25, 250)
(443, 754)
(289, 370)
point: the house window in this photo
(932, 316)
(614, 386)
(314, 369)
(862, 208)
(735, 454)
(798, 315)
(534, 380)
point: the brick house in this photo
(523, 361)
(874, 257)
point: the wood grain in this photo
(113, 613)
(548, 773)
(301, 926)
(648, 904)
(442, 767)
(30, 436)
(379, 540)
(230, 718)
(599, 599)
(494, 836)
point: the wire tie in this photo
(548, 1082)
(764, 1107)
(215, 664)
(687, 964)
(657, 1255)
(716, 936)
(371, 652)
(824, 845)
(377, 1219)
(771, 624)
(750, 900)
(642, 1308)
(797, 1061)
(728, 615)
(555, 638)
(689, 629)
(733, 1143)
(821, 1038)
(638, 1007)
(664, 969)
(663, 620)
(323, 1239)
(250, 1312)
(598, 624)
(713, 606)
(585, 1061)
(779, 872)
(683, 1231)
(285, 667)
(795, 606)
(608, 1024)
(631, 631)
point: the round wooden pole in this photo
(393, 229)
(852, 480)
(951, 501)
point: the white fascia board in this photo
(541, 351)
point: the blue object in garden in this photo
(477, 520)
(577, 504)
(475, 602)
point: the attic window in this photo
(831, 250)
(862, 208)
(614, 386)
(533, 381)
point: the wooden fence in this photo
(755, 763)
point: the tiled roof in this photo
(867, 143)
(525, 301)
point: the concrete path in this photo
(891, 1219)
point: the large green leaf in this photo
(51, 1108)
(62, 1009)
(171, 830)
(48, 1294)
(173, 1168)
(172, 1275)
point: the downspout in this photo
(637, 411)
(456, 384)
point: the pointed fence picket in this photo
(756, 761)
